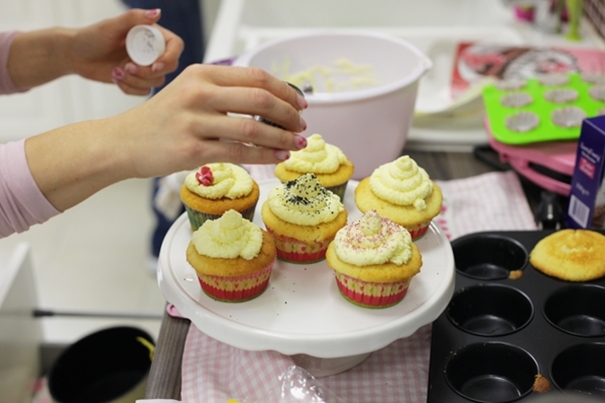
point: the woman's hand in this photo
(194, 120)
(99, 53)
(198, 119)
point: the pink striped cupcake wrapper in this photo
(369, 294)
(417, 231)
(296, 251)
(238, 288)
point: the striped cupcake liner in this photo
(369, 294)
(238, 288)
(417, 231)
(295, 251)
(197, 218)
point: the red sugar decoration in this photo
(204, 176)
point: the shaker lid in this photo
(144, 44)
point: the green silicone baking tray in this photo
(546, 130)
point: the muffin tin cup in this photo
(490, 310)
(577, 309)
(511, 331)
(491, 372)
(581, 369)
(489, 256)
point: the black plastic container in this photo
(111, 365)
(508, 322)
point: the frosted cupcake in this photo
(233, 258)
(216, 188)
(303, 218)
(329, 164)
(403, 192)
(374, 260)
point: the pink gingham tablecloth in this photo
(213, 372)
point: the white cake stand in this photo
(302, 313)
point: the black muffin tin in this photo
(498, 333)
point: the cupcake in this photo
(329, 164)
(571, 255)
(216, 188)
(233, 257)
(374, 260)
(303, 218)
(402, 192)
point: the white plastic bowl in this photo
(370, 124)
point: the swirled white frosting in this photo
(318, 157)
(402, 182)
(228, 237)
(304, 201)
(373, 240)
(228, 180)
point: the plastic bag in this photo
(296, 385)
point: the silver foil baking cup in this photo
(561, 95)
(569, 116)
(522, 122)
(516, 99)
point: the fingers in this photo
(133, 76)
(239, 153)
(253, 77)
(138, 80)
(242, 140)
(130, 90)
(138, 16)
(257, 102)
(250, 91)
(169, 60)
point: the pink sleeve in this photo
(6, 83)
(22, 204)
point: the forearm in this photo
(38, 57)
(72, 163)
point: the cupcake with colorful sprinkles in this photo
(374, 261)
(233, 258)
(303, 217)
(403, 192)
(213, 189)
(329, 164)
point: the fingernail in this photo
(131, 68)
(301, 102)
(303, 124)
(152, 13)
(117, 74)
(158, 67)
(301, 142)
(282, 155)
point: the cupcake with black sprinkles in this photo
(303, 217)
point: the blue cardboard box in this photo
(586, 207)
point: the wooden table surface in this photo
(165, 376)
